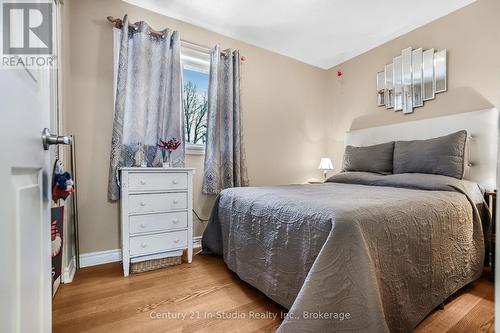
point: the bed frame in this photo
(482, 147)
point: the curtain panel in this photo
(148, 100)
(225, 164)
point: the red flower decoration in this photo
(339, 73)
(169, 145)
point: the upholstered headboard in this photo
(482, 146)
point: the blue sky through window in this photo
(200, 80)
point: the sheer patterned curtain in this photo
(148, 103)
(225, 164)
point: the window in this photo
(195, 67)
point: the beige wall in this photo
(283, 103)
(293, 113)
(471, 36)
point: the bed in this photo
(363, 252)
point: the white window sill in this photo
(198, 149)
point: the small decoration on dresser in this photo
(413, 77)
(139, 156)
(167, 147)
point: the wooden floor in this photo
(100, 299)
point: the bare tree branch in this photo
(195, 114)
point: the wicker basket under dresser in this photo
(156, 214)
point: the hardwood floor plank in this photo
(462, 302)
(479, 319)
(196, 298)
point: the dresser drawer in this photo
(157, 181)
(141, 245)
(159, 202)
(157, 222)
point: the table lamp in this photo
(325, 164)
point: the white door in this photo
(26, 104)
(25, 256)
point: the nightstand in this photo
(491, 200)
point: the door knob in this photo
(49, 139)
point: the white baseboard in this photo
(105, 257)
(100, 257)
(197, 241)
(69, 271)
(55, 286)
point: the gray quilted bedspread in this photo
(352, 256)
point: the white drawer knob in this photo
(175, 221)
(143, 182)
(176, 241)
(143, 225)
(176, 202)
(143, 204)
(144, 245)
(175, 181)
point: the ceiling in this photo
(322, 33)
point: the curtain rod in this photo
(118, 23)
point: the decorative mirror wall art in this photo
(440, 71)
(380, 88)
(389, 86)
(406, 80)
(417, 76)
(413, 77)
(398, 86)
(428, 70)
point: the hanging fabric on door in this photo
(62, 183)
(56, 226)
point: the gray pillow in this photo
(440, 156)
(377, 158)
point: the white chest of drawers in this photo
(156, 213)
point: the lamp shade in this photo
(325, 164)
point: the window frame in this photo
(194, 58)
